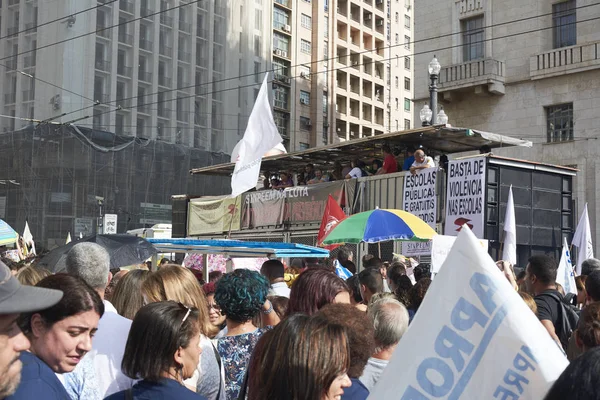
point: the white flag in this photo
(509, 253)
(583, 239)
(473, 337)
(28, 238)
(68, 238)
(261, 136)
(564, 274)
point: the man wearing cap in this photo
(16, 299)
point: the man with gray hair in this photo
(390, 319)
(91, 262)
(590, 265)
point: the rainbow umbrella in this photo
(380, 225)
(7, 234)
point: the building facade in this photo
(525, 69)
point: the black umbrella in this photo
(123, 250)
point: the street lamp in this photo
(425, 115)
(434, 68)
(442, 118)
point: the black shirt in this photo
(548, 308)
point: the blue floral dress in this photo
(235, 352)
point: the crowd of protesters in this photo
(95, 333)
(393, 161)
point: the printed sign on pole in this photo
(465, 196)
(472, 338)
(110, 224)
(418, 197)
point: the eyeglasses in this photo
(214, 307)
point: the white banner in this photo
(465, 196)
(412, 249)
(472, 338)
(418, 197)
(440, 248)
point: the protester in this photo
(422, 161)
(337, 172)
(309, 172)
(529, 301)
(163, 349)
(403, 290)
(580, 380)
(410, 158)
(31, 275)
(344, 257)
(371, 282)
(60, 337)
(592, 291)
(540, 280)
(117, 274)
(581, 293)
(91, 262)
(127, 295)
(355, 296)
(422, 271)
(590, 265)
(285, 181)
(417, 294)
(314, 289)
(301, 358)
(274, 271)
(390, 164)
(216, 318)
(319, 177)
(175, 283)
(280, 305)
(361, 340)
(241, 295)
(394, 275)
(358, 169)
(390, 321)
(587, 335)
(15, 299)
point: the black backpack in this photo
(567, 320)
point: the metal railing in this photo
(145, 45)
(125, 38)
(126, 5)
(470, 70)
(164, 81)
(124, 70)
(10, 98)
(102, 65)
(165, 51)
(145, 76)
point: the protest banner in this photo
(412, 249)
(440, 248)
(418, 196)
(465, 196)
(213, 215)
(472, 338)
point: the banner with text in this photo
(418, 197)
(465, 196)
(298, 204)
(213, 215)
(472, 338)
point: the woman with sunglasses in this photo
(163, 349)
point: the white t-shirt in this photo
(372, 372)
(108, 347)
(427, 162)
(355, 172)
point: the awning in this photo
(238, 248)
(434, 139)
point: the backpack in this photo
(567, 320)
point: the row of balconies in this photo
(487, 76)
(11, 98)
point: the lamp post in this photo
(429, 113)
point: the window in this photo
(305, 46)
(280, 18)
(397, 82)
(257, 18)
(281, 42)
(406, 124)
(280, 97)
(304, 97)
(256, 71)
(397, 103)
(406, 21)
(306, 21)
(257, 46)
(407, 42)
(305, 123)
(397, 39)
(407, 63)
(397, 125)
(304, 71)
(473, 36)
(406, 83)
(560, 123)
(303, 146)
(397, 17)
(406, 104)
(564, 31)
(326, 30)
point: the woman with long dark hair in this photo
(315, 288)
(301, 358)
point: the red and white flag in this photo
(332, 216)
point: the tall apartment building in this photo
(529, 69)
(162, 76)
(190, 75)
